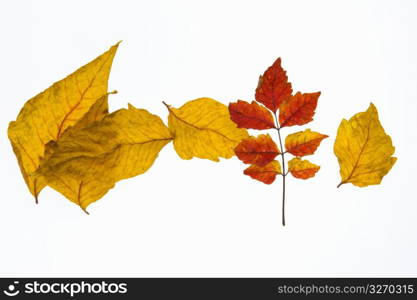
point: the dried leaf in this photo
(298, 110)
(303, 142)
(273, 87)
(96, 113)
(302, 169)
(202, 128)
(259, 150)
(266, 174)
(251, 115)
(45, 117)
(86, 163)
(363, 149)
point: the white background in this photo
(197, 217)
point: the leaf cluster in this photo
(65, 137)
(276, 107)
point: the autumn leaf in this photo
(259, 150)
(96, 113)
(275, 92)
(86, 163)
(302, 169)
(45, 117)
(273, 87)
(202, 128)
(303, 142)
(363, 149)
(298, 110)
(251, 115)
(266, 174)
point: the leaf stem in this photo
(35, 191)
(284, 173)
(79, 198)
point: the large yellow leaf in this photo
(45, 117)
(363, 149)
(86, 163)
(203, 128)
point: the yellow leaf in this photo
(87, 162)
(203, 128)
(363, 149)
(96, 113)
(302, 169)
(45, 117)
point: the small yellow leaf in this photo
(203, 128)
(45, 117)
(87, 162)
(363, 149)
(302, 169)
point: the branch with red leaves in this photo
(276, 107)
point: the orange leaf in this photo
(303, 142)
(251, 115)
(266, 174)
(259, 150)
(302, 169)
(273, 87)
(298, 110)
